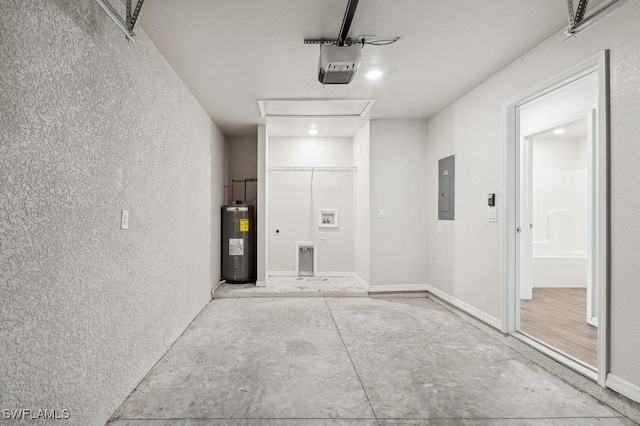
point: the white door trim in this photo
(600, 225)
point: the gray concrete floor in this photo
(295, 287)
(348, 361)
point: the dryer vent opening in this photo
(305, 261)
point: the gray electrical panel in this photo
(446, 188)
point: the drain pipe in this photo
(215, 287)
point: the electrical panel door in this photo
(446, 188)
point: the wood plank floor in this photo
(557, 317)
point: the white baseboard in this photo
(396, 288)
(475, 312)
(335, 274)
(623, 387)
(318, 274)
(281, 274)
(360, 281)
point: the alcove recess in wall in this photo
(328, 219)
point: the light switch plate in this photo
(124, 219)
(323, 236)
(381, 214)
(492, 215)
(439, 228)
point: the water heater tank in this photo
(239, 243)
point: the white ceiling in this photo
(231, 53)
(576, 129)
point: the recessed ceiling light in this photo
(313, 131)
(558, 131)
(374, 74)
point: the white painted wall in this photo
(295, 198)
(466, 260)
(361, 205)
(398, 176)
(242, 161)
(262, 219)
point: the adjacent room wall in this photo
(361, 205)
(295, 198)
(465, 260)
(242, 160)
(398, 175)
(560, 211)
(92, 124)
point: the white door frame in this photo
(525, 290)
(599, 205)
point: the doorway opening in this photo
(557, 218)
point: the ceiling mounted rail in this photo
(362, 40)
(344, 39)
(346, 21)
(579, 21)
(127, 24)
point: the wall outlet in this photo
(381, 214)
(124, 219)
(277, 232)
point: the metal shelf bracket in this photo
(128, 23)
(578, 21)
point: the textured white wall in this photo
(242, 161)
(294, 201)
(398, 174)
(219, 178)
(91, 124)
(465, 261)
(361, 205)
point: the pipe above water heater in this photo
(245, 181)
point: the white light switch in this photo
(492, 215)
(381, 214)
(323, 236)
(439, 228)
(124, 219)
